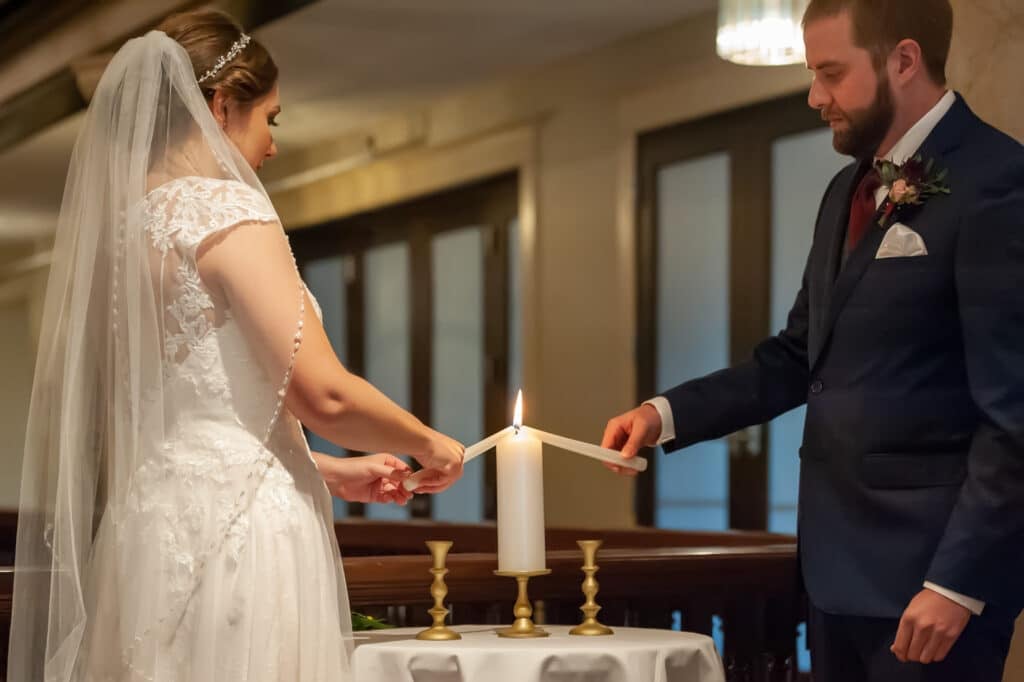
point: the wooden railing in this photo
(648, 578)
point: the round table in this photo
(629, 655)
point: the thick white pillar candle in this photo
(520, 504)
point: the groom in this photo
(906, 342)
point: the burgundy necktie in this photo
(862, 208)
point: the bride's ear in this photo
(219, 108)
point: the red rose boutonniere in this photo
(910, 184)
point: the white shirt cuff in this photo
(668, 425)
(973, 605)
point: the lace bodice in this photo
(203, 350)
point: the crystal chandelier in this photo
(761, 32)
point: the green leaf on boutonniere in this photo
(887, 172)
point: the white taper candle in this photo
(470, 453)
(588, 449)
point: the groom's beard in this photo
(866, 128)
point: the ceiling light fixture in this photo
(761, 32)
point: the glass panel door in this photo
(326, 280)
(387, 348)
(693, 327)
(457, 385)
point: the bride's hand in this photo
(443, 464)
(369, 478)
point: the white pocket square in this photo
(899, 242)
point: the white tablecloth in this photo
(629, 655)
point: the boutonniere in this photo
(910, 183)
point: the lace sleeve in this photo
(187, 211)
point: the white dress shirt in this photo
(905, 148)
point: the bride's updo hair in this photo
(207, 35)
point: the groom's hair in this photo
(878, 25)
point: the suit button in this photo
(816, 386)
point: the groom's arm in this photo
(981, 553)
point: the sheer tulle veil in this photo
(99, 400)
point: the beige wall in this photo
(988, 48)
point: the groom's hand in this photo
(929, 628)
(640, 427)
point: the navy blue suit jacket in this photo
(912, 368)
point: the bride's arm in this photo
(252, 267)
(370, 478)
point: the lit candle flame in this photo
(517, 419)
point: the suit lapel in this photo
(840, 284)
(835, 216)
(857, 262)
(841, 217)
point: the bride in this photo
(174, 525)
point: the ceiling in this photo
(346, 63)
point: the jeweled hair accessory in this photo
(222, 61)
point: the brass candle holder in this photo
(438, 632)
(523, 626)
(590, 626)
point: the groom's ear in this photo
(909, 60)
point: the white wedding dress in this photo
(172, 525)
(241, 589)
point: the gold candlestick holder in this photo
(438, 632)
(523, 625)
(590, 626)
